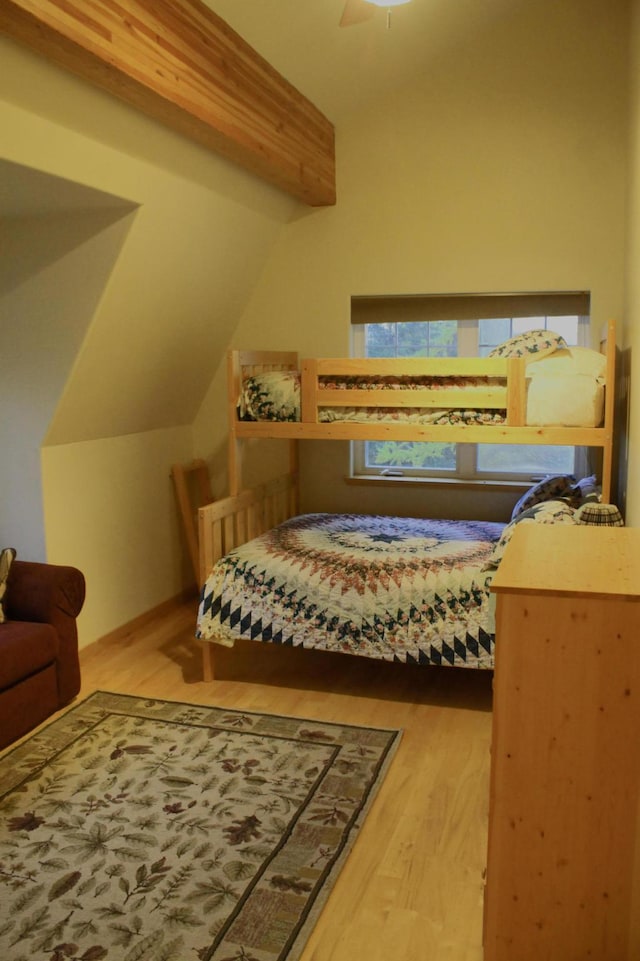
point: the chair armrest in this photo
(50, 594)
(45, 593)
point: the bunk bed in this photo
(251, 538)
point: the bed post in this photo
(294, 497)
(235, 465)
(234, 456)
(516, 392)
(208, 661)
(608, 343)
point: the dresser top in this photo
(571, 559)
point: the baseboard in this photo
(161, 610)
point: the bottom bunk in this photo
(398, 589)
(391, 588)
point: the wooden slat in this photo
(412, 367)
(255, 361)
(180, 63)
(608, 347)
(209, 544)
(228, 522)
(234, 453)
(517, 393)
(462, 433)
(228, 534)
(451, 398)
(231, 521)
(309, 391)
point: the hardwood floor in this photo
(412, 888)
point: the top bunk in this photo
(534, 390)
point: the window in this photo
(472, 336)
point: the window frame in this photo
(466, 469)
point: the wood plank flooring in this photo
(412, 888)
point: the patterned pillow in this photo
(546, 512)
(556, 485)
(7, 556)
(272, 395)
(533, 345)
(585, 489)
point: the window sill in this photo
(365, 480)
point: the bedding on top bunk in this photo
(565, 387)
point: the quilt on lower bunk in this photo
(398, 589)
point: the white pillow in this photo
(564, 363)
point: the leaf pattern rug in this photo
(148, 830)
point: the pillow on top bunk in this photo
(272, 395)
(556, 485)
(533, 344)
(572, 362)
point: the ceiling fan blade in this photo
(356, 11)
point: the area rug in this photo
(148, 830)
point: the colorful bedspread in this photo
(398, 589)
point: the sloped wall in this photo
(121, 412)
(52, 273)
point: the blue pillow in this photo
(556, 485)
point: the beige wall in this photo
(502, 169)
(632, 329)
(117, 410)
(109, 509)
(52, 271)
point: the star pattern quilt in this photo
(393, 588)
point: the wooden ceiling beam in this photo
(180, 63)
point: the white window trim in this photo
(466, 454)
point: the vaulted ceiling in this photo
(341, 69)
(259, 93)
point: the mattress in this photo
(396, 589)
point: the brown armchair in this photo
(39, 665)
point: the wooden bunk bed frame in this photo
(509, 396)
(244, 514)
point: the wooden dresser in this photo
(563, 872)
